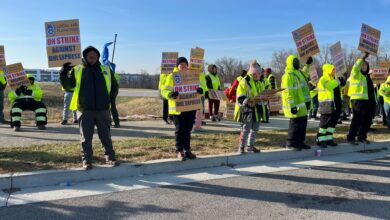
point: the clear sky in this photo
(244, 29)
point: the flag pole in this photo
(113, 50)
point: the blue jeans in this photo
(387, 112)
(67, 99)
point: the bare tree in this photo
(229, 68)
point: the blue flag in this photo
(106, 55)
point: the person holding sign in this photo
(185, 120)
(93, 85)
(361, 93)
(3, 84)
(214, 83)
(329, 97)
(384, 91)
(296, 102)
(27, 98)
(246, 111)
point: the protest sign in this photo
(217, 95)
(186, 83)
(380, 73)
(196, 59)
(168, 62)
(275, 103)
(2, 57)
(230, 110)
(306, 42)
(16, 76)
(63, 42)
(369, 40)
(313, 74)
(337, 55)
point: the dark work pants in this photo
(165, 109)
(213, 103)
(87, 122)
(327, 126)
(361, 121)
(114, 111)
(183, 127)
(297, 132)
(28, 104)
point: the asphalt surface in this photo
(358, 190)
(29, 134)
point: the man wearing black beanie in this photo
(184, 121)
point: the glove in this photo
(206, 95)
(199, 90)
(365, 55)
(66, 67)
(18, 91)
(309, 60)
(174, 95)
(294, 110)
(28, 92)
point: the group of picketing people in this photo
(91, 89)
(331, 96)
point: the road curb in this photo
(56, 177)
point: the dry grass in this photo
(66, 155)
(53, 99)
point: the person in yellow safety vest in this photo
(361, 93)
(183, 121)
(329, 97)
(68, 94)
(384, 91)
(214, 83)
(161, 83)
(246, 111)
(296, 102)
(264, 116)
(3, 84)
(27, 98)
(314, 97)
(114, 110)
(342, 82)
(203, 85)
(270, 79)
(94, 86)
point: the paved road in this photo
(138, 92)
(130, 129)
(358, 190)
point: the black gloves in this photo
(294, 110)
(20, 90)
(365, 55)
(206, 95)
(28, 92)
(174, 95)
(66, 67)
(199, 90)
(309, 60)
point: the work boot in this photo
(64, 122)
(111, 162)
(190, 155)
(181, 156)
(117, 125)
(241, 150)
(322, 144)
(41, 127)
(331, 143)
(305, 146)
(76, 121)
(213, 118)
(16, 128)
(87, 165)
(252, 149)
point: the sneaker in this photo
(76, 121)
(213, 118)
(41, 127)
(190, 155)
(252, 149)
(365, 141)
(181, 156)
(64, 122)
(87, 165)
(112, 163)
(353, 142)
(331, 143)
(322, 144)
(16, 128)
(305, 146)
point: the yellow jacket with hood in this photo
(385, 90)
